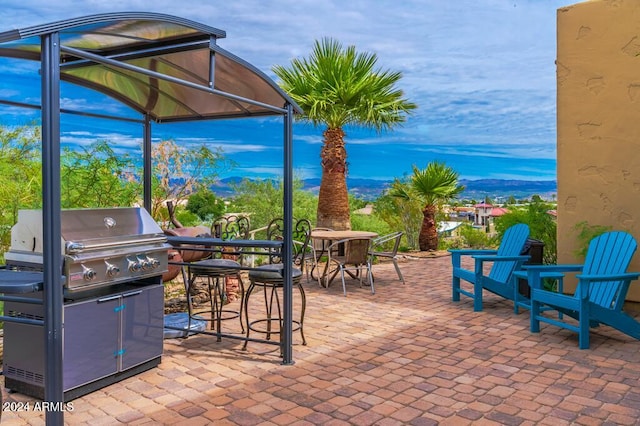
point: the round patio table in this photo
(339, 235)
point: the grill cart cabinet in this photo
(106, 339)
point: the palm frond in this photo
(337, 86)
(400, 189)
(436, 183)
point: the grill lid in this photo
(111, 223)
(88, 229)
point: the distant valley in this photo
(370, 189)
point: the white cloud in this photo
(481, 71)
(226, 146)
(260, 171)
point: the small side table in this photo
(520, 301)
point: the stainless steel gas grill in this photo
(113, 261)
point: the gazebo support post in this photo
(52, 252)
(147, 168)
(287, 327)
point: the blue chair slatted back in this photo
(512, 244)
(608, 254)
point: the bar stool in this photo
(216, 272)
(269, 278)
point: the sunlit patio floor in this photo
(407, 355)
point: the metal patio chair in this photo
(378, 249)
(356, 261)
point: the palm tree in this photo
(337, 87)
(433, 185)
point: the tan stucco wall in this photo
(598, 107)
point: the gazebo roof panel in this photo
(171, 46)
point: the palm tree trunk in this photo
(428, 239)
(333, 199)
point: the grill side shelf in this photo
(20, 282)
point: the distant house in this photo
(485, 213)
(482, 214)
(498, 211)
(466, 213)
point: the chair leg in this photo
(241, 288)
(303, 308)
(516, 295)
(627, 325)
(534, 325)
(455, 288)
(560, 290)
(316, 267)
(326, 279)
(369, 269)
(583, 333)
(268, 304)
(477, 295)
(455, 280)
(395, 264)
(216, 301)
(583, 324)
(189, 307)
(344, 286)
(246, 313)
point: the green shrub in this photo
(363, 222)
(476, 238)
(469, 237)
(542, 226)
(205, 205)
(586, 233)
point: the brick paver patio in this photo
(407, 355)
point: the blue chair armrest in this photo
(535, 273)
(553, 268)
(523, 274)
(456, 254)
(605, 278)
(472, 251)
(484, 258)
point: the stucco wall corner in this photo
(598, 110)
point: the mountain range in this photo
(370, 189)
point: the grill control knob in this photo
(134, 266)
(112, 270)
(144, 263)
(89, 273)
(153, 262)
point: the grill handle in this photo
(107, 299)
(74, 247)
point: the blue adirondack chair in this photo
(602, 287)
(506, 260)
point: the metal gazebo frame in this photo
(166, 68)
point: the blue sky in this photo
(482, 73)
